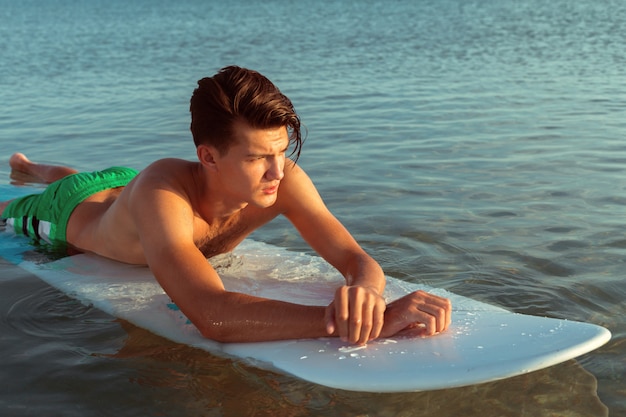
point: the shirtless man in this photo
(176, 213)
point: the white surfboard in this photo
(484, 343)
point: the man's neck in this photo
(213, 203)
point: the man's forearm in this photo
(239, 317)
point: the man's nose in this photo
(275, 170)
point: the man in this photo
(175, 214)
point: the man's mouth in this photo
(270, 190)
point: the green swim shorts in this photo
(45, 216)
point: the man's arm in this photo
(165, 224)
(358, 312)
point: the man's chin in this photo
(265, 202)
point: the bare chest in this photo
(222, 237)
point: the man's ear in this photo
(207, 155)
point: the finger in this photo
(447, 306)
(434, 318)
(367, 319)
(427, 320)
(439, 308)
(378, 316)
(355, 298)
(329, 318)
(445, 315)
(373, 317)
(342, 313)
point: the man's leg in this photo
(24, 169)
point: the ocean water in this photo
(476, 146)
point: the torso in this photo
(103, 224)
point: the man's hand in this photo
(356, 314)
(420, 309)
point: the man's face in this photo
(252, 168)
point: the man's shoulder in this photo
(174, 164)
(295, 188)
(165, 174)
(169, 170)
(293, 172)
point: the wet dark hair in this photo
(237, 94)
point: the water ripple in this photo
(43, 312)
